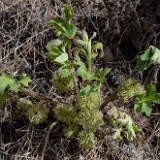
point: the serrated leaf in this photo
(58, 26)
(24, 80)
(100, 76)
(97, 46)
(62, 58)
(60, 21)
(71, 31)
(7, 81)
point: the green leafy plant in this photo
(144, 101)
(8, 83)
(74, 53)
(124, 126)
(150, 56)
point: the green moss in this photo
(38, 113)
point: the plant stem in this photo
(37, 96)
(89, 63)
(111, 98)
(73, 72)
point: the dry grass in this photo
(24, 33)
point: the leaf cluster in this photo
(124, 126)
(144, 101)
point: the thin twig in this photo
(47, 138)
(37, 95)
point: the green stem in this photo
(73, 72)
(89, 63)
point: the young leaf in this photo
(101, 74)
(24, 80)
(88, 89)
(150, 93)
(62, 58)
(150, 56)
(67, 13)
(60, 21)
(71, 31)
(58, 26)
(144, 107)
(7, 81)
(157, 99)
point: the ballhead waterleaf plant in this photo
(74, 54)
(7, 82)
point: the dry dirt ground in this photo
(125, 27)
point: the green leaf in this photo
(88, 89)
(157, 98)
(80, 42)
(62, 58)
(101, 74)
(144, 107)
(85, 36)
(150, 92)
(150, 56)
(60, 21)
(97, 46)
(7, 81)
(67, 13)
(138, 107)
(24, 80)
(71, 31)
(91, 137)
(147, 108)
(58, 26)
